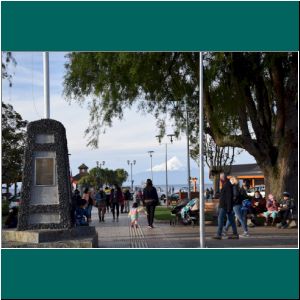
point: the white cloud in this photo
(173, 164)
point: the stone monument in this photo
(46, 206)
(46, 188)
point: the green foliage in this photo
(247, 98)
(5, 207)
(120, 176)
(7, 59)
(13, 140)
(250, 98)
(98, 176)
(159, 82)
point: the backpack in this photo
(246, 204)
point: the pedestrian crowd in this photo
(235, 206)
(116, 201)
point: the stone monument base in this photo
(77, 237)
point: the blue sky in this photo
(128, 139)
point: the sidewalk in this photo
(121, 235)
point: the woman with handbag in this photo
(150, 200)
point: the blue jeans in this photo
(221, 219)
(89, 211)
(237, 209)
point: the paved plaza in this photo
(121, 235)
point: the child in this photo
(81, 214)
(12, 219)
(272, 209)
(134, 215)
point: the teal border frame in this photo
(150, 26)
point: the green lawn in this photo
(162, 213)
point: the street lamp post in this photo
(150, 153)
(99, 165)
(166, 156)
(201, 152)
(131, 163)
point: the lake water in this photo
(177, 187)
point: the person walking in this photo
(116, 198)
(127, 198)
(107, 194)
(226, 208)
(134, 215)
(207, 194)
(101, 204)
(88, 203)
(139, 196)
(237, 207)
(150, 200)
(76, 201)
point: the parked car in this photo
(161, 194)
(261, 188)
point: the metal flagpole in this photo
(188, 151)
(46, 84)
(167, 192)
(201, 161)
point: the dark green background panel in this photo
(177, 274)
(130, 26)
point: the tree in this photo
(251, 102)
(13, 141)
(98, 176)
(218, 159)
(120, 176)
(7, 59)
(159, 82)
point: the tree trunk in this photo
(216, 184)
(283, 176)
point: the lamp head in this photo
(159, 137)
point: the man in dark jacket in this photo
(285, 206)
(76, 202)
(226, 208)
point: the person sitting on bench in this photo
(284, 210)
(258, 206)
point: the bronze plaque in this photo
(44, 171)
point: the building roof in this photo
(78, 176)
(245, 170)
(83, 166)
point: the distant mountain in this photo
(174, 177)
